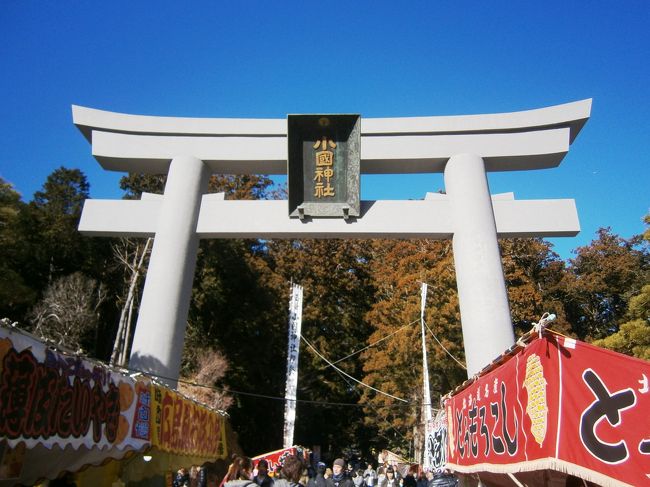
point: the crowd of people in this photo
(296, 473)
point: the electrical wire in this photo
(250, 394)
(374, 409)
(348, 375)
(443, 347)
(371, 345)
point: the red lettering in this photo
(38, 401)
(16, 391)
(63, 415)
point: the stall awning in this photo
(555, 404)
(60, 412)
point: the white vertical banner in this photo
(437, 442)
(426, 392)
(295, 324)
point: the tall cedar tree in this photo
(532, 274)
(338, 292)
(394, 364)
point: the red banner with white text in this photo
(557, 404)
(276, 458)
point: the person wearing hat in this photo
(339, 477)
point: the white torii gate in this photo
(465, 148)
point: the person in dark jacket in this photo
(319, 480)
(339, 477)
(262, 478)
(443, 479)
(409, 479)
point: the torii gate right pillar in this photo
(482, 295)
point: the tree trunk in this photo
(118, 355)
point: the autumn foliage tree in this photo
(338, 290)
(394, 365)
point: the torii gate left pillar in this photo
(465, 148)
(162, 318)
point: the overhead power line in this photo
(249, 394)
(371, 345)
(348, 375)
(443, 347)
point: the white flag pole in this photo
(295, 324)
(426, 392)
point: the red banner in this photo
(557, 404)
(276, 458)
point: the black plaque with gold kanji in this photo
(323, 165)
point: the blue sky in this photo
(379, 59)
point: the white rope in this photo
(348, 375)
(543, 322)
(443, 347)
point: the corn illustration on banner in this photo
(557, 404)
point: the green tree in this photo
(600, 281)
(58, 248)
(51, 235)
(633, 336)
(15, 295)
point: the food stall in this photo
(551, 408)
(62, 412)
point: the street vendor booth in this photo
(552, 408)
(60, 412)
